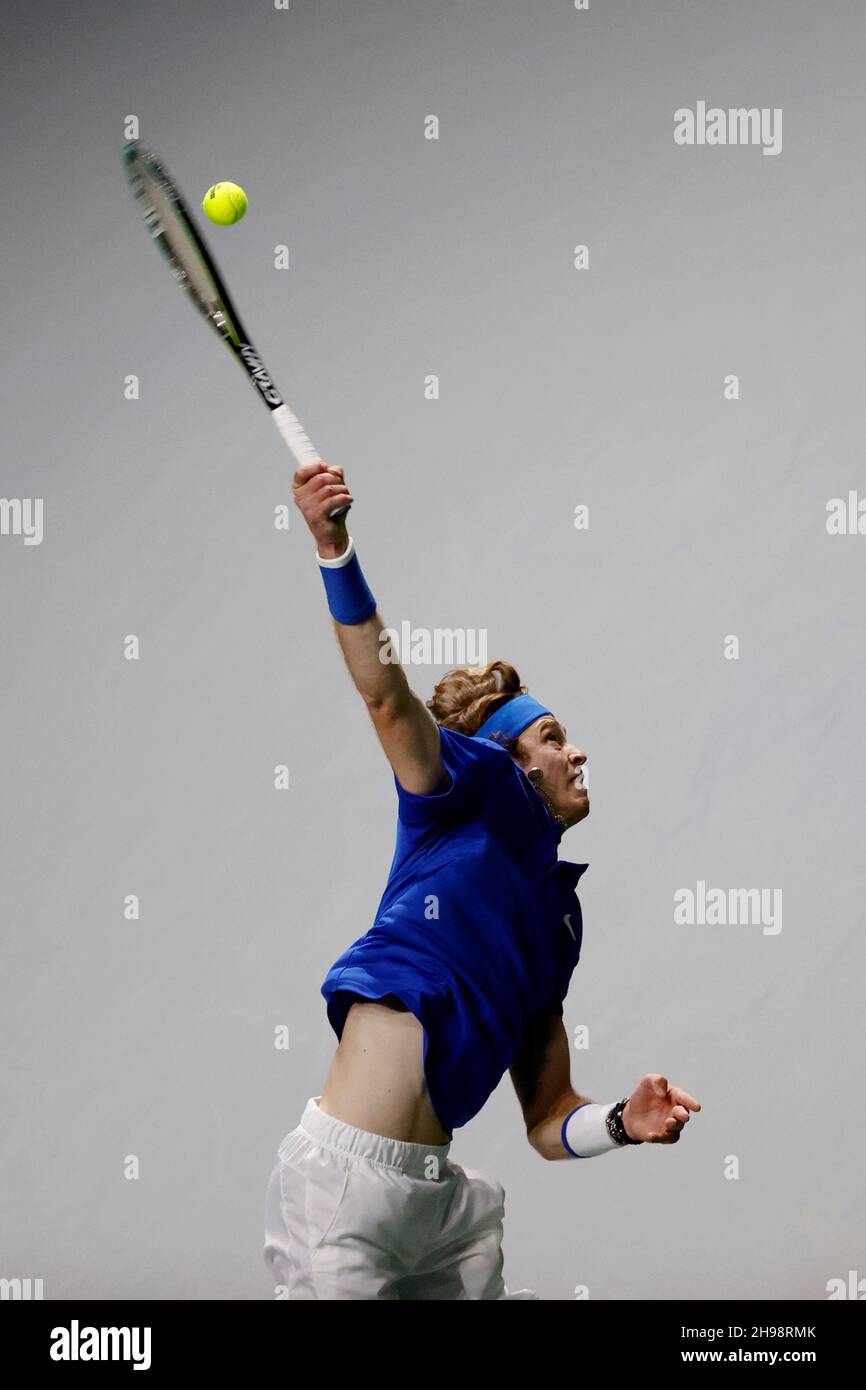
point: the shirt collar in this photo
(568, 872)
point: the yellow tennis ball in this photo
(225, 203)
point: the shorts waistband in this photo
(389, 1153)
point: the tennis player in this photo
(461, 977)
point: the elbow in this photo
(533, 1139)
(384, 707)
(387, 706)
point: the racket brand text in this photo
(258, 374)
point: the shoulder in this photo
(473, 765)
(475, 761)
(481, 751)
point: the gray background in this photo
(558, 388)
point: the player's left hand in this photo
(656, 1112)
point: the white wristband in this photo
(340, 560)
(584, 1132)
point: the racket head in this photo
(170, 223)
(172, 227)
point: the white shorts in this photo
(351, 1214)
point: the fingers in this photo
(681, 1097)
(663, 1138)
(324, 479)
(308, 471)
(338, 493)
(319, 490)
(318, 485)
(676, 1094)
(321, 487)
(324, 487)
(670, 1130)
(681, 1104)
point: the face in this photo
(545, 745)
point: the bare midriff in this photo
(376, 1080)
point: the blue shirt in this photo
(479, 926)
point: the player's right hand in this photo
(317, 489)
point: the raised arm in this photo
(407, 730)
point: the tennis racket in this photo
(172, 228)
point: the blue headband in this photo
(511, 719)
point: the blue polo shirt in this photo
(479, 926)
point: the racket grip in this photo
(294, 434)
(302, 447)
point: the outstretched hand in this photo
(656, 1112)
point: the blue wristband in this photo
(349, 598)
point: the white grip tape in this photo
(295, 436)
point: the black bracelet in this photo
(615, 1126)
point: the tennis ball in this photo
(225, 203)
